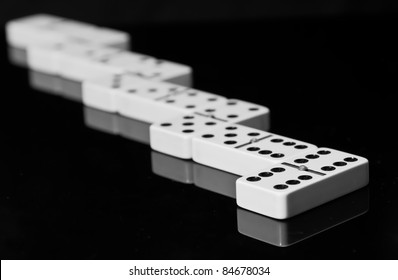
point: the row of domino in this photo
(276, 232)
(282, 177)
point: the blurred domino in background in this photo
(49, 29)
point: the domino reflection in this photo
(283, 233)
(55, 85)
(111, 123)
(101, 120)
(116, 124)
(172, 168)
(190, 172)
(17, 56)
(215, 180)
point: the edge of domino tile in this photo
(183, 80)
(284, 233)
(13, 23)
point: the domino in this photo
(72, 61)
(284, 233)
(129, 95)
(174, 137)
(152, 68)
(48, 29)
(187, 101)
(144, 100)
(302, 182)
(240, 150)
(240, 112)
(76, 31)
(215, 107)
(32, 30)
(87, 61)
(43, 58)
(207, 107)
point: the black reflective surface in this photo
(83, 184)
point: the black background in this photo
(126, 12)
(71, 192)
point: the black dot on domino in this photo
(280, 187)
(301, 147)
(277, 155)
(210, 123)
(312, 156)
(265, 174)
(207, 135)
(253, 134)
(292, 182)
(328, 168)
(231, 128)
(289, 143)
(253, 179)
(265, 152)
(350, 159)
(301, 160)
(173, 89)
(230, 135)
(278, 169)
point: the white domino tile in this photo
(42, 29)
(240, 112)
(239, 149)
(300, 183)
(174, 137)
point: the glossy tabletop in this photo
(79, 183)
